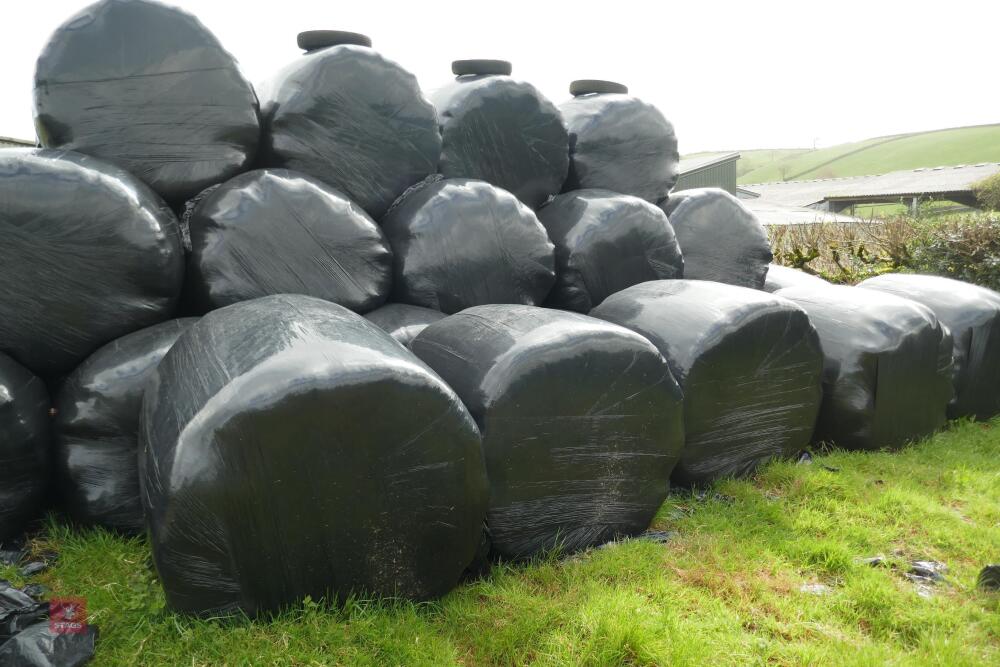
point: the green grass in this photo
(725, 591)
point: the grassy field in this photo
(731, 587)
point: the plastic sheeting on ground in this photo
(458, 243)
(972, 315)
(581, 422)
(780, 277)
(96, 430)
(620, 143)
(353, 119)
(749, 364)
(292, 448)
(501, 130)
(720, 238)
(24, 446)
(604, 243)
(402, 321)
(887, 375)
(88, 254)
(275, 231)
(149, 88)
(40, 646)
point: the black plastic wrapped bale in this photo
(501, 130)
(719, 236)
(618, 142)
(458, 243)
(972, 315)
(352, 118)
(96, 430)
(24, 446)
(275, 231)
(147, 87)
(749, 364)
(887, 375)
(292, 448)
(581, 422)
(88, 254)
(780, 277)
(604, 243)
(403, 321)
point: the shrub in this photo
(965, 248)
(987, 192)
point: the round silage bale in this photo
(402, 321)
(780, 277)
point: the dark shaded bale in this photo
(402, 321)
(780, 277)
(581, 422)
(24, 446)
(749, 364)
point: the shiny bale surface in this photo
(581, 422)
(292, 448)
(502, 131)
(749, 364)
(24, 446)
(620, 143)
(96, 429)
(147, 87)
(275, 231)
(353, 119)
(459, 243)
(403, 321)
(780, 277)
(972, 315)
(604, 243)
(887, 374)
(720, 238)
(89, 254)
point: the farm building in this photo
(708, 171)
(8, 142)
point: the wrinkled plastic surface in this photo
(24, 446)
(503, 131)
(39, 646)
(780, 277)
(972, 315)
(18, 611)
(149, 88)
(458, 243)
(403, 321)
(353, 119)
(749, 364)
(96, 430)
(88, 254)
(292, 448)
(604, 243)
(275, 231)
(887, 374)
(581, 422)
(620, 143)
(720, 238)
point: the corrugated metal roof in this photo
(9, 142)
(687, 165)
(928, 181)
(776, 215)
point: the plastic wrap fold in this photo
(87, 254)
(292, 448)
(780, 277)
(749, 364)
(403, 321)
(581, 422)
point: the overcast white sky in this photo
(764, 74)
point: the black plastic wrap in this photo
(274, 231)
(620, 143)
(353, 119)
(501, 130)
(89, 254)
(581, 422)
(780, 277)
(604, 243)
(40, 646)
(96, 430)
(147, 87)
(721, 239)
(292, 448)
(403, 321)
(458, 243)
(887, 374)
(24, 446)
(972, 315)
(749, 364)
